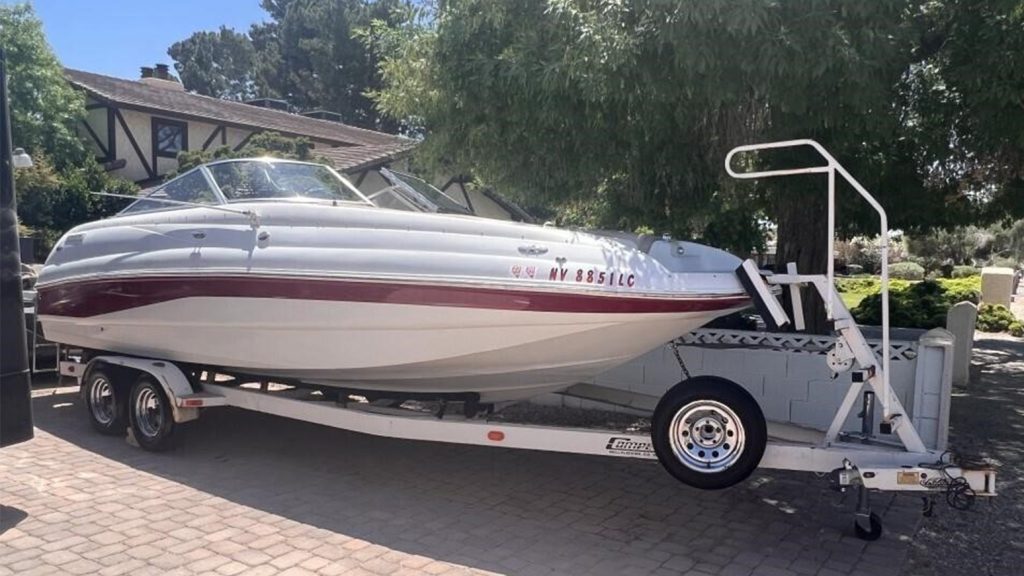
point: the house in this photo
(136, 128)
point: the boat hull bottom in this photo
(500, 355)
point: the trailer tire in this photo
(151, 415)
(105, 399)
(709, 432)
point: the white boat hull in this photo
(391, 347)
(376, 299)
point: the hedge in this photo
(919, 305)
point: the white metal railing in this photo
(831, 168)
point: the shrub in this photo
(920, 305)
(965, 271)
(1017, 329)
(994, 318)
(962, 289)
(906, 271)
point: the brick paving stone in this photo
(80, 566)
(208, 564)
(297, 571)
(232, 568)
(290, 559)
(252, 557)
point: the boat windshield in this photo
(407, 192)
(239, 180)
(258, 179)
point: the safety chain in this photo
(679, 358)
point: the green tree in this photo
(217, 64)
(53, 195)
(309, 53)
(44, 108)
(52, 200)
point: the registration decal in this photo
(592, 276)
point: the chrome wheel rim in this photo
(149, 413)
(706, 436)
(101, 401)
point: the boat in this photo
(284, 270)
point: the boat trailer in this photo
(165, 395)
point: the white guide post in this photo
(831, 168)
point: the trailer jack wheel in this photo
(151, 415)
(709, 432)
(867, 527)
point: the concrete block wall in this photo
(792, 385)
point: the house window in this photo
(169, 137)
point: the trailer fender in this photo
(173, 381)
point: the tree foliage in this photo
(309, 53)
(269, 144)
(44, 107)
(53, 195)
(52, 201)
(560, 98)
(218, 64)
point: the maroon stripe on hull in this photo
(95, 297)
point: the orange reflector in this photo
(496, 435)
(192, 403)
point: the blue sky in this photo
(116, 37)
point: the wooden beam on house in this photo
(219, 130)
(96, 138)
(111, 135)
(150, 170)
(246, 140)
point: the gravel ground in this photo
(987, 421)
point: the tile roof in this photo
(134, 94)
(356, 158)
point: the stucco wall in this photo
(140, 125)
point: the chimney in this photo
(160, 77)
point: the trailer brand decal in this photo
(629, 447)
(609, 278)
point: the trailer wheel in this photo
(105, 401)
(150, 414)
(709, 432)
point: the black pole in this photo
(15, 378)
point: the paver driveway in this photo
(250, 493)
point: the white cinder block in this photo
(771, 364)
(790, 385)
